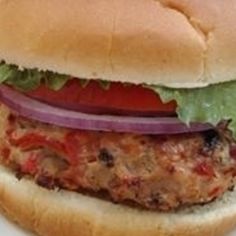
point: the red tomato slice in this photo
(118, 99)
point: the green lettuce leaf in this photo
(104, 84)
(25, 80)
(5, 72)
(84, 83)
(210, 104)
(55, 81)
(30, 79)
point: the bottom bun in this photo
(62, 213)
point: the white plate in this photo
(233, 233)
(9, 229)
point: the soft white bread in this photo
(62, 213)
(178, 43)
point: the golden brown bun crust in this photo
(178, 43)
(62, 213)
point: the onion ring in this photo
(42, 112)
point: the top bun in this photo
(175, 43)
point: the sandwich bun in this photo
(176, 43)
(64, 213)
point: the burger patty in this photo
(157, 172)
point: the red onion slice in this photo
(36, 110)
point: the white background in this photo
(9, 229)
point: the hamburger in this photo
(118, 117)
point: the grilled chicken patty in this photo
(157, 172)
